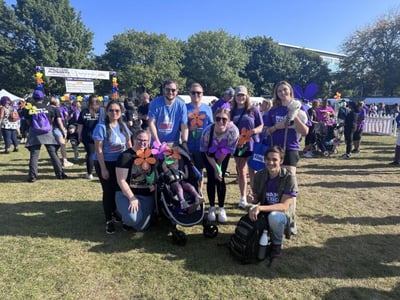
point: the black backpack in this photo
(243, 244)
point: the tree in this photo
(312, 69)
(47, 33)
(373, 56)
(268, 64)
(143, 61)
(216, 60)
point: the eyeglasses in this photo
(219, 119)
(168, 90)
(196, 93)
(114, 110)
(142, 141)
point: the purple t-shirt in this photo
(249, 121)
(275, 115)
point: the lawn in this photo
(53, 243)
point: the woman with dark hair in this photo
(87, 121)
(111, 138)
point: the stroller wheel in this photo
(326, 153)
(179, 237)
(210, 231)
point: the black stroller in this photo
(170, 206)
(327, 138)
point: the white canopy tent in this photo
(13, 97)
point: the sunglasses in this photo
(114, 110)
(168, 90)
(219, 119)
(196, 93)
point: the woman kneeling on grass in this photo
(274, 188)
(135, 171)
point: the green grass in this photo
(53, 244)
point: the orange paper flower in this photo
(145, 159)
(196, 119)
(244, 136)
(338, 96)
(173, 153)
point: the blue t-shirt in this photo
(112, 146)
(196, 124)
(168, 118)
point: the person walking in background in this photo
(249, 121)
(396, 159)
(362, 112)
(218, 143)
(36, 140)
(87, 121)
(168, 116)
(143, 110)
(310, 137)
(10, 124)
(59, 131)
(350, 127)
(111, 138)
(199, 117)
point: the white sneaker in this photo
(308, 154)
(184, 204)
(89, 176)
(222, 218)
(211, 214)
(242, 203)
(67, 164)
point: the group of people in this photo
(120, 152)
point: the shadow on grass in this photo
(369, 221)
(362, 293)
(365, 256)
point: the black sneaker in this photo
(31, 179)
(126, 227)
(110, 228)
(117, 218)
(355, 151)
(62, 176)
(276, 251)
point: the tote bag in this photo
(256, 161)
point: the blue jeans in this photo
(277, 221)
(139, 220)
(10, 137)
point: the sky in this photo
(315, 24)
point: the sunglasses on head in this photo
(219, 119)
(196, 93)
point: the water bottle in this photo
(262, 248)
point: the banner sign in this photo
(79, 85)
(76, 73)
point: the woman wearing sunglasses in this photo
(218, 143)
(111, 138)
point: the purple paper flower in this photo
(159, 149)
(219, 148)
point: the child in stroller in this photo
(176, 173)
(327, 138)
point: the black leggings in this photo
(213, 183)
(109, 188)
(89, 148)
